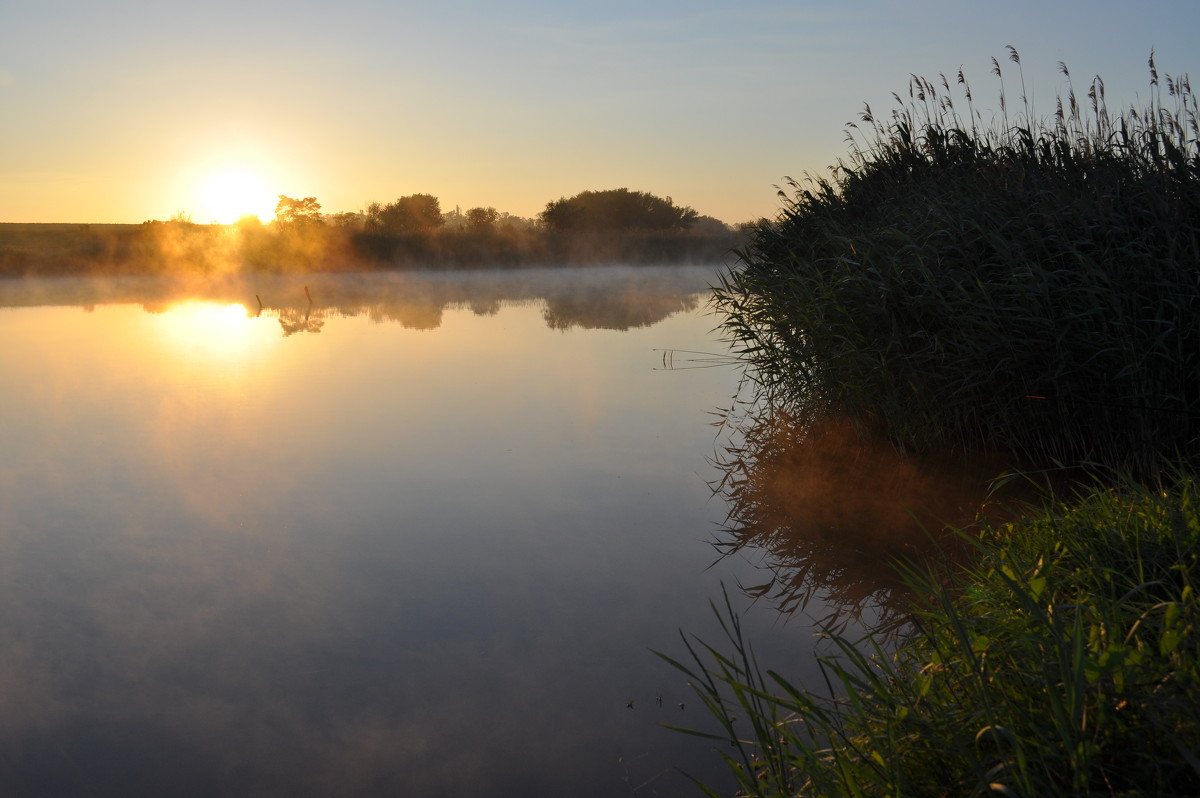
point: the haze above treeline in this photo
(607, 226)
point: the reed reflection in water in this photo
(829, 513)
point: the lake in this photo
(394, 534)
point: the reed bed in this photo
(1014, 284)
(1022, 286)
(1063, 661)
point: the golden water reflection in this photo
(398, 557)
(616, 298)
(213, 329)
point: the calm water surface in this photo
(414, 537)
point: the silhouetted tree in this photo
(416, 213)
(507, 220)
(454, 220)
(482, 219)
(561, 214)
(346, 220)
(297, 212)
(616, 209)
(708, 225)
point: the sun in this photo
(226, 196)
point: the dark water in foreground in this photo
(415, 537)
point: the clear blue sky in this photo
(123, 111)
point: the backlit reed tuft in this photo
(1014, 283)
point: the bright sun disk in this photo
(227, 196)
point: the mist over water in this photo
(423, 547)
(611, 297)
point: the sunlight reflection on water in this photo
(386, 555)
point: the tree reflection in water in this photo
(294, 320)
(612, 298)
(830, 513)
(618, 311)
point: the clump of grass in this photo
(1063, 661)
(1026, 285)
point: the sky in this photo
(126, 111)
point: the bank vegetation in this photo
(1017, 286)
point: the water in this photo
(416, 536)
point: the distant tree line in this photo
(592, 226)
(611, 226)
(616, 210)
